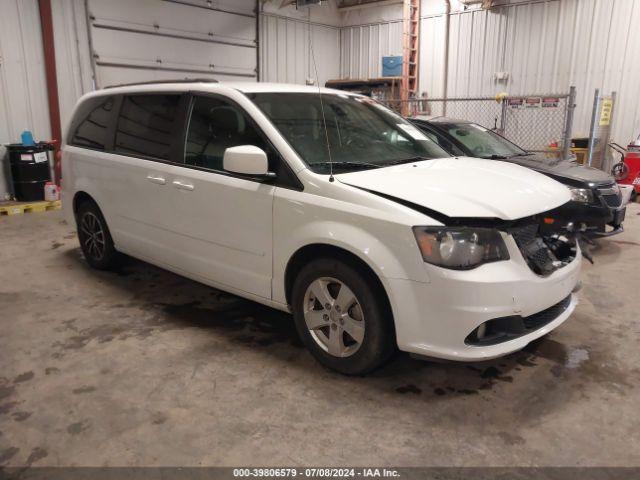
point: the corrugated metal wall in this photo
(285, 51)
(544, 45)
(367, 34)
(23, 94)
(23, 90)
(362, 46)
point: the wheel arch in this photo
(79, 198)
(318, 250)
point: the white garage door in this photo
(143, 40)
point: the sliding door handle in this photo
(158, 180)
(182, 185)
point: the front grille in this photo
(526, 234)
(613, 200)
(533, 248)
(503, 329)
(611, 195)
(544, 253)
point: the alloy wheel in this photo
(92, 236)
(334, 317)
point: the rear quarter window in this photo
(90, 128)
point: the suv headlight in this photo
(582, 195)
(460, 248)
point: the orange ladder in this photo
(411, 42)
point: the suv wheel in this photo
(95, 239)
(342, 317)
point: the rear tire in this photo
(94, 236)
(342, 317)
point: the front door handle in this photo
(158, 180)
(182, 185)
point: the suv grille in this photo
(611, 195)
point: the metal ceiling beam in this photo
(343, 7)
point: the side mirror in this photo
(247, 160)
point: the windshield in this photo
(362, 133)
(480, 141)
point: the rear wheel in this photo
(95, 240)
(342, 317)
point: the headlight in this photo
(460, 248)
(582, 195)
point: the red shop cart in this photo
(627, 170)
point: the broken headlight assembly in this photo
(460, 248)
(581, 195)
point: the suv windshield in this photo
(362, 133)
(480, 141)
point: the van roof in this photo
(213, 85)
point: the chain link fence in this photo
(534, 122)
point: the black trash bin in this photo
(30, 170)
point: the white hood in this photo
(465, 187)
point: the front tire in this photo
(342, 317)
(94, 236)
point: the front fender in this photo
(387, 247)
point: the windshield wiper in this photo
(405, 160)
(505, 157)
(347, 164)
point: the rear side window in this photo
(94, 117)
(145, 125)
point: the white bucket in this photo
(51, 193)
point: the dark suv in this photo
(597, 201)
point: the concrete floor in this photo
(142, 367)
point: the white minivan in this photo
(325, 204)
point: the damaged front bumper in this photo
(495, 309)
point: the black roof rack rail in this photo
(156, 82)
